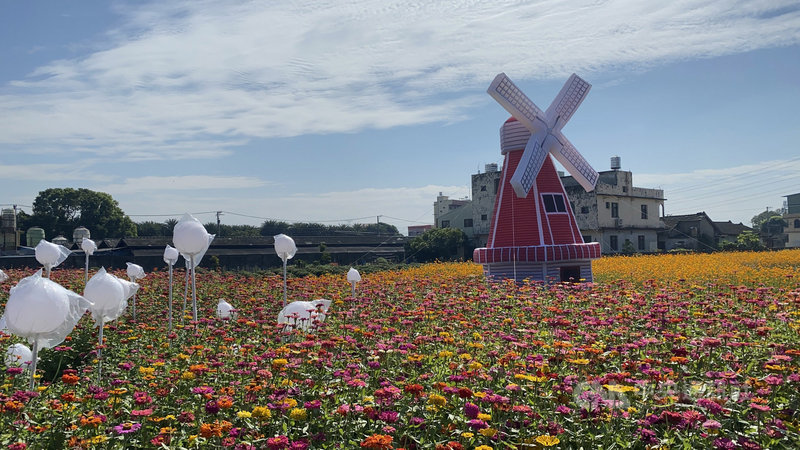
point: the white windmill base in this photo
(555, 272)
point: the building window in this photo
(467, 223)
(554, 203)
(483, 188)
(484, 217)
(644, 211)
(797, 223)
(641, 242)
(584, 210)
(608, 205)
(624, 188)
(445, 223)
(614, 210)
(587, 238)
(613, 242)
(496, 184)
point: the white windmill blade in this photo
(529, 165)
(515, 102)
(567, 101)
(575, 164)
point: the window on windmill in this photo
(554, 203)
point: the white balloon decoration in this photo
(18, 355)
(3, 276)
(50, 255)
(88, 246)
(353, 277)
(135, 272)
(225, 310)
(171, 256)
(43, 312)
(302, 314)
(191, 238)
(285, 249)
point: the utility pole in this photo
(219, 229)
(379, 225)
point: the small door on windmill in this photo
(570, 274)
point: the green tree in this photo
(152, 228)
(61, 210)
(762, 217)
(443, 244)
(273, 227)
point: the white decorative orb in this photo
(190, 237)
(353, 275)
(107, 294)
(225, 310)
(171, 255)
(285, 246)
(88, 246)
(135, 271)
(36, 308)
(18, 355)
(47, 253)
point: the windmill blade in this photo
(567, 101)
(529, 165)
(510, 97)
(575, 164)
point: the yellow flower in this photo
(485, 417)
(581, 361)
(480, 394)
(262, 413)
(437, 400)
(467, 435)
(620, 388)
(547, 441)
(445, 354)
(147, 370)
(244, 414)
(298, 414)
(98, 439)
(483, 447)
(488, 432)
(187, 376)
(475, 365)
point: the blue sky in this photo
(341, 110)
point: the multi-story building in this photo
(792, 218)
(452, 213)
(484, 192)
(618, 215)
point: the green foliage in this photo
(443, 244)
(151, 228)
(60, 211)
(628, 248)
(232, 230)
(273, 227)
(762, 217)
(773, 225)
(746, 241)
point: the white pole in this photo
(354, 288)
(34, 361)
(100, 351)
(170, 298)
(185, 295)
(47, 269)
(284, 281)
(194, 290)
(133, 280)
(86, 268)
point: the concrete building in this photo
(689, 231)
(416, 230)
(451, 213)
(618, 215)
(792, 218)
(484, 192)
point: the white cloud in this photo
(182, 183)
(217, 73)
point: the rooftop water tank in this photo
(490, 167)
(9, 219)
(34, 235)
(616, 163)
(80, 234)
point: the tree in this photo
(60, 210)
(151, 228)
(443, 244)
(762, 217)
(746, 241)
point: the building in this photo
(688, 231)
(484, 193)
(792, 218)
(416, 230)
(450, 213)
(621, 217)
(729, 231)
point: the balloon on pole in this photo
(135, 272)
(50, 255)
(18, 355)
(171, 256)
(191, 238)
(88, 246)
(109, 296)
(225, 310)
(285, 248)
(3, 276)
(43, 312)
(353, 277)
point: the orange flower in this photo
(378, 441)
(70, 379)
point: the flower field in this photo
(672, 351)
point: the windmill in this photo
(533, 233)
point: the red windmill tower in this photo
(533, 231)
